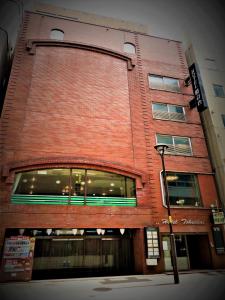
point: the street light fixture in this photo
(161, 148)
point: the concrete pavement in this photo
(199, 285)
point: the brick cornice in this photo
(72, 162)
(31, 46)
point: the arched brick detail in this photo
(73, 162)
(32, 44)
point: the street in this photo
(205, 285)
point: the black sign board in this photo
(218, 240)
(199, 99)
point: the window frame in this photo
(57, 30)
(197, 188)
(223, 120)
(170, 114)
(126, 197)
(215, 86)
(174, 144)
(164, 84)
(133, 47)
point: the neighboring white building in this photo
(212, 71)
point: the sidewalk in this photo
(198, 285)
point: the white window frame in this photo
(164, 84)
(173, 151)
(168, 115)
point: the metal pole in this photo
(172, 238)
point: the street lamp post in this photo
(161, 150)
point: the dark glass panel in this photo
(78, 182)
(43, 182)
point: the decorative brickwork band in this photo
(32, 44)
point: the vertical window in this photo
(223, 119)
(57, 34)
(183, 189)
(218, 90)
(168, 112)
(164, 83)
(129, 48)
(177, 145)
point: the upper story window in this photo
(168, 112)
(129, 48)
(223, 119)
(163, 83)
(74, 186)
(57, 34)
(177, 145)
(218, 90)
(183, 189)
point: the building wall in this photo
(91, 107)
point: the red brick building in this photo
(81, 186)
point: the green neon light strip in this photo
(74, 200)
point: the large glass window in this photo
(163, 83)
(165, 111)
(177, 145)
(73, 185)
(183, 189)
(43, 182)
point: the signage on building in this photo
(18, 258)
(199, 99)
(183, 222)
(152, 245)
(218, 217)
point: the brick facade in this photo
(83, 103)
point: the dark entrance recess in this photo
(199, 252)
(83, 256)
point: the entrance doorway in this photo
(192, 252)
(82, 256)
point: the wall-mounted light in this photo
(81, 231)
(57, 231)
(35, 232)
(21, 231)
(122, 230)
(48, 231)
(103, 231)
(74, 230)
(99, 231)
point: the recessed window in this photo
(223, 119)
(218, 90)
(163, 83)
(74, 186)
(177, 145)
(57, 34)
(168, 112)
(183, 189)
(129, 48)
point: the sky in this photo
(175, 19)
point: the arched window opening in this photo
(57, 34)
(74, 186)
(129, 48)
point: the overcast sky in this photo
(175, 19)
